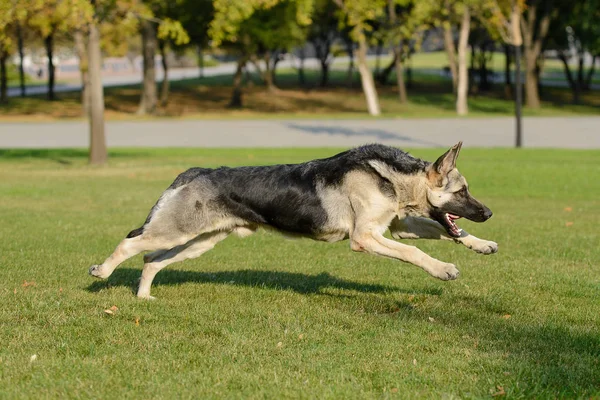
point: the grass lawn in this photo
(268, 317)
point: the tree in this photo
(12, 15)
(357, 14)
(576, 32)
(234, 28)
(503, 19)
(322, 33)
(534, 26)
(98, 153)
(51, 18)
(271, 32)
(401, 29)
(156, 24)
(450, 14)
(195, 17)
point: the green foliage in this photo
(358, 15)
(274, 28)
(230, 16)
(173, 30)
(577, 25)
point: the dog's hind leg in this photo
(132, 246)
(376, 243)
(154, 262)
(424, 228)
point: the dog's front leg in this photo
(375, 243)
(424, 228)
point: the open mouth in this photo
(451, 227)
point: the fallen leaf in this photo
(301, 336)
(411, 297)
(500, 392)
(114, 308)
(506, 316)
(15, 291)
(137, 322)
(414, 361)
(109, 312)
(27, 284)
(60, 290)
(279, 345)
(431, 319)
(568, 209)
(568, 223)
(33, 358)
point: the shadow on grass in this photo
(61, 156)
(278, 280)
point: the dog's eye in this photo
(462, 191)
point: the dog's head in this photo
(448, 194)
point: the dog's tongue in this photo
(453, 216)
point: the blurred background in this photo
(296, 58)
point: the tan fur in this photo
(185, 226)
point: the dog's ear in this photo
(444, 164)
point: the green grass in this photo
(268, 317)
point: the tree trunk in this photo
(350, 73)
(384, 75)
(507, 81)
(276, 60)
(268, 76)
(462, 107)
(236, 97)
(83, 69)
(378, 58)
(148, 99)
(164, 86)
(49, 43)
(3, 77)
(397, 55)
(532, 48)
(366, 78)
(201, 61)
(532, 94)
(301, 76)
(98, 154)
(400, 77)
(451, 52)
(21, 56)
(474, 66)
(573, 83)
(588, 79)
(324, 73)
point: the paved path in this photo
(579, 133)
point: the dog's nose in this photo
(487, 213)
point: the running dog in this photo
(356, 195)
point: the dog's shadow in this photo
(277, 280)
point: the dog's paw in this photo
(486, 247)
(96, 270)
(445, 272)
(146, 297)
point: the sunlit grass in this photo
(270, 317)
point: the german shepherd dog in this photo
(356, 195)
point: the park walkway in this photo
(559, 132)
